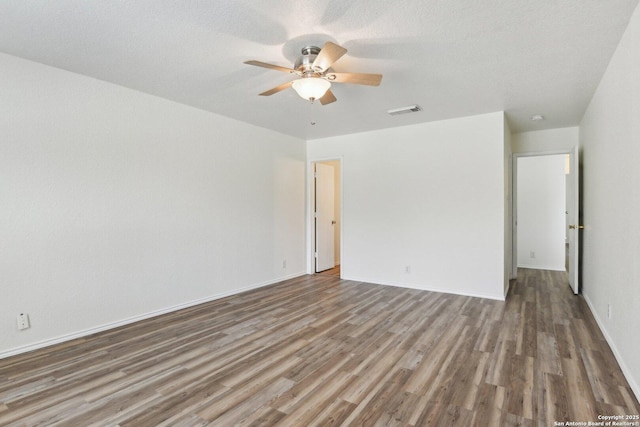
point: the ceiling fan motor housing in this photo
(305, 62)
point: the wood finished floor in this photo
(321, 351)
(335, 271)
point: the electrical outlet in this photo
(284, 263)
(407, 269)
(532, 254)
(608, 311)
(23, 321)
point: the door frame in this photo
(514, 199)
(311, 238)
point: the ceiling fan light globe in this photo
(311, 88)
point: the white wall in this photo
(428, 196)
(545, 141)
(610, 142)
(541, 212)
(117, 205)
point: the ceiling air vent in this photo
(405, 110)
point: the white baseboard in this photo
(625, 370)
(79, 334)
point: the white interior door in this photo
(573, 218)
(325, 221)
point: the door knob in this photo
(576, 227)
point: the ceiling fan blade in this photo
(328, 98)
(271, 67)
(355, 78)
(276, 89)
(329, 54)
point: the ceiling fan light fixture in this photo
(311, 88)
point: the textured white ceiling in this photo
(454, 58)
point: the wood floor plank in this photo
(239, 413)
(321, 351)
(253, 386)
(518, 397)
(500, 367)
(580, 398)
(438, 356)
(303, 412)
(373, 370)
(333, 414)
(267, 417)
(548, 357)
(305, 386)
(385, 401)
(601, 379)
(168, 406)
(488, 405)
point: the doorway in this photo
(326, 209)
(545, 212)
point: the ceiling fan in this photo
(316, 76)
